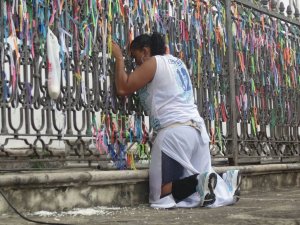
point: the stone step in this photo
(69, 188)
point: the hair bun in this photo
(157, 44)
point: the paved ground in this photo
(274, 207)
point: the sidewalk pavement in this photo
(272, 207)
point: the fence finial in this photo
(264, 3)
(297, 13)
(296, 7)
(274, 4)
(289, 11)
(281, 8)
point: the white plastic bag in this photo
(54, 68)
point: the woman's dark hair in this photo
(155, 42)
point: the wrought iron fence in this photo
(243, 58)
(266, 69)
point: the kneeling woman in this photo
(180, 172)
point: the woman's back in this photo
(169, 98)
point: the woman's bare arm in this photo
(128, 83)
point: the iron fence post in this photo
(233, 146)
(4, 129)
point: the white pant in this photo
(190, 148)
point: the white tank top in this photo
(169, 97)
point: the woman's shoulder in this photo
(165, 57)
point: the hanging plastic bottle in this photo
(54, 67)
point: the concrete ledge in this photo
(63, 190)
(261, 168)
(67, 189)
(72, 177)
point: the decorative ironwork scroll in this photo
(88, 122)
